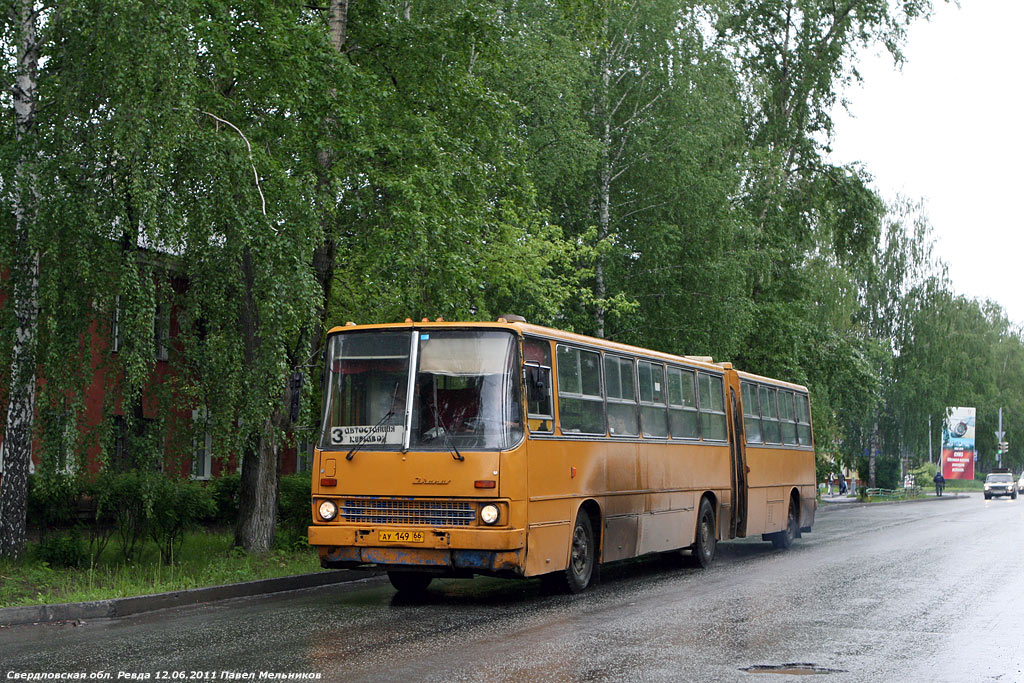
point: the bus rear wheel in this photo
(409, 582)
(582, 556)
(784, 539)
(705, 544)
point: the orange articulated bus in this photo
(451, 449)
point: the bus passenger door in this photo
(737, 444)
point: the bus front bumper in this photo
(496, 551)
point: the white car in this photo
(1000, 484)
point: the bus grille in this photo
(424, 512)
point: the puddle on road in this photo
(791, 669)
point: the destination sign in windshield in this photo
(390, 435)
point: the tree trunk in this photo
(871, 458)
(338, 22)
(604, 190)
(323, 257)
(24, 277)
(257, 513)
(257, 497)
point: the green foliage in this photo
(225, 490)
(137, 504)
(923, 474)
(887, 471)
(181, 506)
(53, 500)
(66, 550)
(124, 502)
(294, 503)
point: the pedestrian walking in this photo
(842, 484)
(831, 481)
(940, 483)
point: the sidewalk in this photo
(122, 607)
(846, 502)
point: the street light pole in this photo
(929, 439)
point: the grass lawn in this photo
(205, 559)
(965, 485)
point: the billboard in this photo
(958, 443)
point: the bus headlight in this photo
(328, 510)
(489, 514)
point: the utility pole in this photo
(929, 439)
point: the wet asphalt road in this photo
(929, 591)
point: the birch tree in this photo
(22, 26)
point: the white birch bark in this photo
(17, 444)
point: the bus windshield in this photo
(463, 394)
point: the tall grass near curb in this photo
(204, 559)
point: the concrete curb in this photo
(122, 607)
(822, 506)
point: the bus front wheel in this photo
(582, 555)
(409, 582)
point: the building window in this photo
(161, 330)
(202, 445)
(115, 325)
(304, 456)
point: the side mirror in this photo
(536, 384)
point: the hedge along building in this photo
(87, 417)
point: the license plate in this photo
(400, 536)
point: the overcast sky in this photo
(949, 129)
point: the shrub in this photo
(53, 500)
(139, 503)
(294, 507)
(180, 506)
(924, 474)
(887, 471)
(124, 501)
(225, 491)
(64, 550)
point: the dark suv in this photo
(1000, 484)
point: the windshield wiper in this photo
(450, 445)
(362, 440)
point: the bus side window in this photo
(537, 377)
(682, 404)
(621, 396)
(769, 415)
(787, 417)
(803, 420)
(580, 403)
(653, 416)
(751, 413)
(711, 404)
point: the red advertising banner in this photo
(957, 464)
